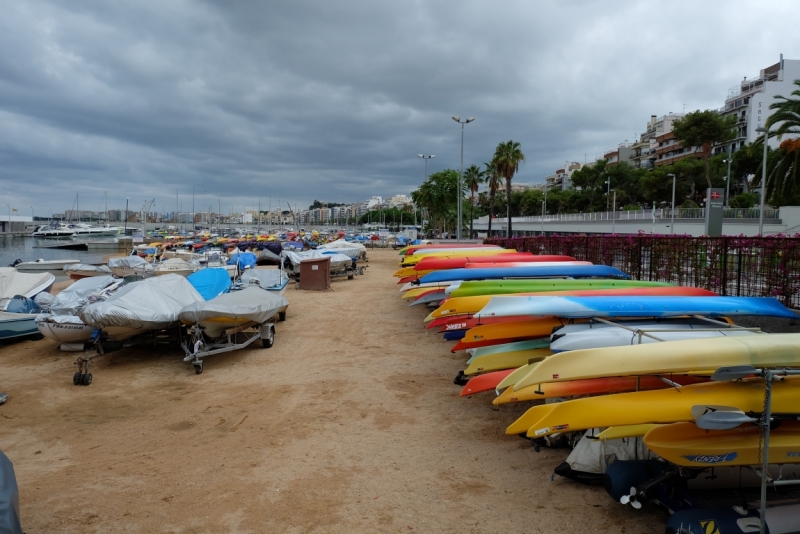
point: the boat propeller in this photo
(631, 499)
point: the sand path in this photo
(350, 423)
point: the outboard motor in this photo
(16, 262)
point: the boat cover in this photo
(60, 319)
(592, 455)
(130, 262)
(153, 303)
(251, 303)
(244, 260)
(210, 282)
(13, 282)
(266, 278)
(70, 300)
(337, 260)
(86, 268)
(20, 304)
(352, 249)
(9, 498)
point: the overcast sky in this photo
(333, 100)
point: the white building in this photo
(750, 101)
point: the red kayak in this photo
(438, 263)
(410, 251)
(465, 323)
(485, 382)
(493, 264)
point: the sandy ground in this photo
(350, 423)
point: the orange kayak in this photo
(495, 334)
(485, 382)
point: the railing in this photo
(660, 214)
(736, 266)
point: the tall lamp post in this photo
(614, 214)
(728, 179)
(672, 210)
(765, 131)
(608, 192)
(426, 158)
(461, 174)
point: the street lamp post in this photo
(672, 210)
(543, 204)
(728, 180)
(608, 192)
(761, 129)
(461, 174)
(32, 216)
(614, 214)
(426, 158)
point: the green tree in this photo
(704, 129)
(439, 197)
(473, 178)
(493, 183)
(783, 168)
(507, 157)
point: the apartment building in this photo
(562, 178)
(619, 154)
(750, 101)
(644, 149)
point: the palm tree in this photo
(473, 178)
(783, 168)
(507, 157)
(493, 182)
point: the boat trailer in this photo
(236, 338)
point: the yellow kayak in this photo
(671, 405)
(763, 350)
(629, 431)
(525, 328)
(506, 360)
(686, 445)
(511, 379)
(414, 293)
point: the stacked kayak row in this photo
(621, 369)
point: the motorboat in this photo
(152, 304)
(13, 325)
(130, 265)
(274, 280)
(175, 266)
(14, 283)
(83, 230)
(230, 322)
(61, 322)
(43, 265)
(76, 271)
(53, 231)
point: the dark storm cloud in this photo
(333, 100)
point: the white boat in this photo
(249, 306)
(64, 328)
(129, 265)
(43, 265)
(152, 304)
(76, 271)
(53, 231)
(17, 325)
(175, 266)
(83, 230)
(14, 283)
(274, 280)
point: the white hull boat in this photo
(64, 328)
(44, 265)
(174, 266)
(77, 271)
(249, 306)
(17, 325)
(129, 265)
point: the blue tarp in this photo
(294, 244)
(244, 260)
(210, 282)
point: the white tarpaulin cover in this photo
(352, 249)
(250, 304)
(593, 455)
(13, 282)
(127, 262)
(73, 298)
(150, 304)
(337, 260)
(266, 278)
(61, 319)
(95, 270)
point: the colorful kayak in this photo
(439, 263)
(473, 305)
(411, 249)
(509, 356)
(628, 431)
(514, 377)
(644, 306)
(501, 287)
(498, 333)
(687, 445)
(486, 382)
(533, 271)
(465, 323)
(670, 405)
(763, 350)
(494, 265)
(409, 261)
(593, 386)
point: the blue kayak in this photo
(638, 306)
(544, 271)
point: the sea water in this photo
(29, 249)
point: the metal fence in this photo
(736, 266)
(659, 213)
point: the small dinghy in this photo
(76, 271)
(129, 265)
(175, 266)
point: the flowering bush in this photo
(731, 265)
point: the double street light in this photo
(461, 174)
(765, 131)
(426, 158)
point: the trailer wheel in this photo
(198, 367)
(87, 379)
(282, 316)
(77, 378)
(268, 340)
